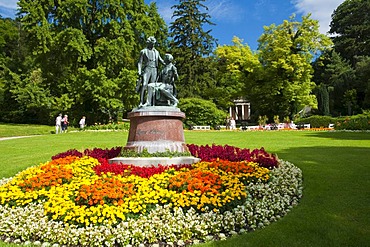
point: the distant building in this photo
(241, 111)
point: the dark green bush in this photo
(316, 121)
(357, 122)
(110, 126)
(201, 112)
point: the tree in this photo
(87, 49)
(349, 100)
(14, 63)
(362, 71)
(351, 36)
(8, 38)
(336, 75)
(190, 45)
(285, 52)
(351, 30)
(237, 67)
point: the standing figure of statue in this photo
(163, 91)
(147, 69)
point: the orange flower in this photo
(196, 179)
(52, 175)
(105, 190)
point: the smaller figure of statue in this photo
(147, 69)
(163, 92)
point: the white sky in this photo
(320, 9)
(10, 4)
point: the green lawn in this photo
(335, 207)
(7, 130)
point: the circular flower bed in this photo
(79, 199)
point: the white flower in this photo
(180, 242)
(196, 241)
(209, 237)
(222, 236)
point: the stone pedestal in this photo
(156, 129)
(154, 161)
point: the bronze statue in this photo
(163, 91)
(147, 69)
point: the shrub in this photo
(316, 121)
(201, 112)
(357, 122)
(110, 126)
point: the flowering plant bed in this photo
(81, 200)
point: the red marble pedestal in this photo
(156, 129)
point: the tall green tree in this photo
(285, 52)
(191, 45)
(333, 77)
(346, 70)
(14, 63)
(350, 26)
(87, 51)
(362, 71)
(237, 68)
(8, 37)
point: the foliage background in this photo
(79, 58)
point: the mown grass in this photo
(7, 130)
(335, 207)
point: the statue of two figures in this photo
(159, 88)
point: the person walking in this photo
(82, 122)
(58, 124)
(65, 124)
(232, 124)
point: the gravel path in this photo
(13, 137)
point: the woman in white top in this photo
(82, 122)
(58, 124)
(232, 124)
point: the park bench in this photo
(201, 127)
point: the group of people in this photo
(61, 123)
(159, 89)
